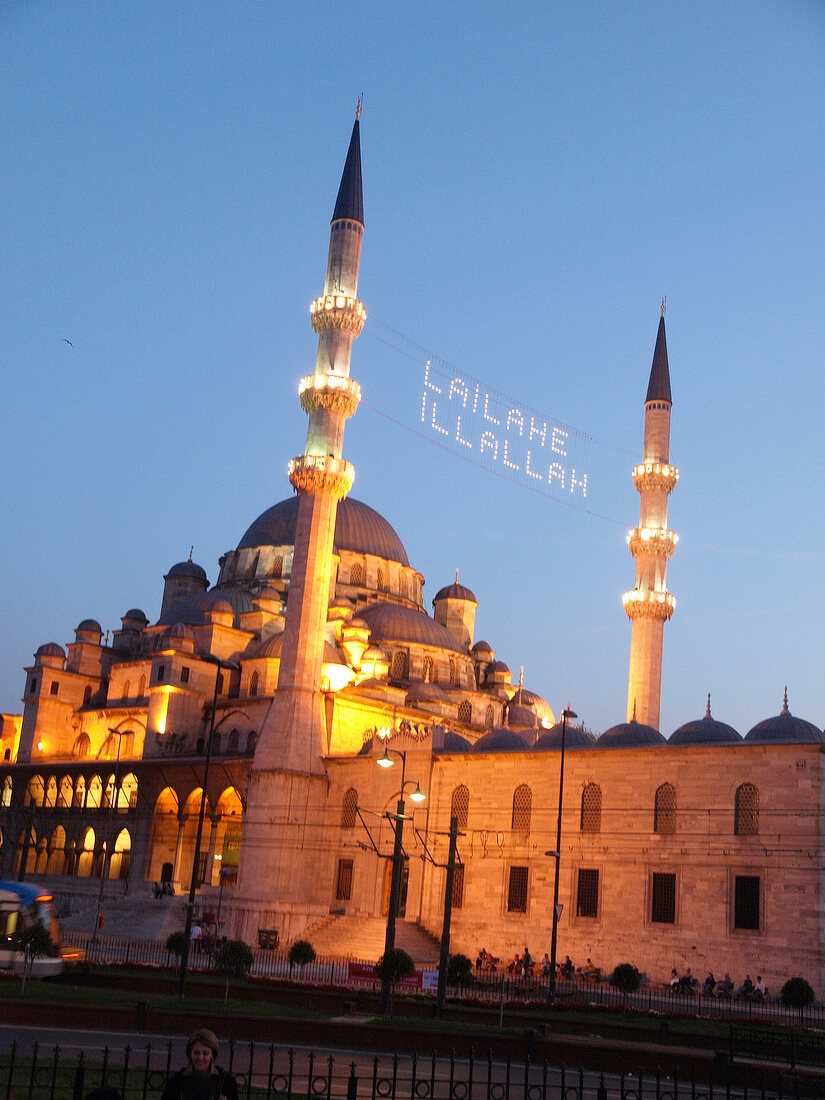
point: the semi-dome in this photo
(784, 727)
(392, 622)
(574, 738)
(501, 740)
(51, 649)
(358, 528)
(629, 733)
(705, 731)
(455, 592)
(426, 693)
(196, 610)
(187, 569)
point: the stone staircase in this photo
(136, 914)
(363, 938)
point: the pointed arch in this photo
(163, 835)
(79, 796)
(65, 792)
(460, 805)
(522, 809)
(35, 791)
(50, 796)
(85, 862)
(746, 820)
(94, 793)
(82, 746)
(591, 809)
(56, 863)
(127, 794)
(8, 787)
(664, 810)
(349, 815)
(121, 856)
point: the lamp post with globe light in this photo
(398, 819)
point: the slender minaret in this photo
(292, 733)
(281, 882)
(650, 604)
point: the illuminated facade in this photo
(704, 847)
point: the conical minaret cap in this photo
(350, 201)
(658, 388)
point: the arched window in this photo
(348, 814)
(380, 579)
(121, 856)
(94, 794)
(591, 816)
(460, 805)
(50, 797)
(429, 671)
(127, 793)
(142, 687)
(664, 814)
(5, 798)
(82, 746)
(57, 852)
(356, 573)
(278, 566)
(87, 694)
(87, 854)
(452, 670)
(65, 792)
(126, 687)
(522, 808)
(747, 810)
(465, 711)
(35, 791)
(253, 684)
(79, 796)
(232, 741)
(399, 665)
(489, 717)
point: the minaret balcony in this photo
(644, 604)
(321, 474)
(652, 542)
(655, 475)
(338, 311)
(330, 392)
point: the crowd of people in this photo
(723, 989)
(525, 966)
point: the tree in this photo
(301, 953)
(625, 978)
(233, 958)
(175, 942)
(36, 942)
(797, 993)
(459, 970)
(394, 967)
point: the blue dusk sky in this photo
(537, 176)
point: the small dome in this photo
(196, 610)
(224, 607)
(51, 649)
(455, 592)
(627, 734)
(704, 731)
(501, 740)
(136, 615)
(187, 569)
(450, 741)
(784, 727)
(518, 715)
(498, 666)
(89, 626)
(574, 738)
(268, 592)
(483, 651)
(177, 636)
(426, 693)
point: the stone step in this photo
(363, 938)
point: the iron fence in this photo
(276, 1073)
(484, 988)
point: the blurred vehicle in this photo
(23, 905)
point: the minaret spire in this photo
(649, 605)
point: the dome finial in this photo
(191, 549)
(664, 305)
(358, 106)
(456, 575)
(785, 709)
(633, 719)
(707, 712)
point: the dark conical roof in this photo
(350, 201)
(658, 388)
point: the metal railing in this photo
(278, 1073)
(483, 988)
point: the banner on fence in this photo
(365, 972)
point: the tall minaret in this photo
(650, 604)
(282, 881)
(292, 733)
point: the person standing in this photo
(202, 1078)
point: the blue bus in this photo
(22, 905)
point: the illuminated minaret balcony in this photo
(329, 392)
(655, 542)
(321, 474)
(644, 604)
(649, 476)
(338, 311)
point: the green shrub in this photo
(797, 993)
(395, 966)
(301, 953)
(459, 969)
(37, 939)
(625, 978)
(175, 942)
(233, 957)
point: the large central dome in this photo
(358, 528)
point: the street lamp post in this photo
(193, 883)
(565, 716)
(417, 795)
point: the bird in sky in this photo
(65, 341)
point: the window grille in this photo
(664, 814)
(747, 810)
(591, 816)
(356, 573)
(465, 711)
(343, 887)
(348, 811)
(746, 902)
(517, 890)
(399, 665)
(522, 808)
(587, 893)
(458, 886)
(460, 806)
(663, 898)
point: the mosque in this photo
(312, 660)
